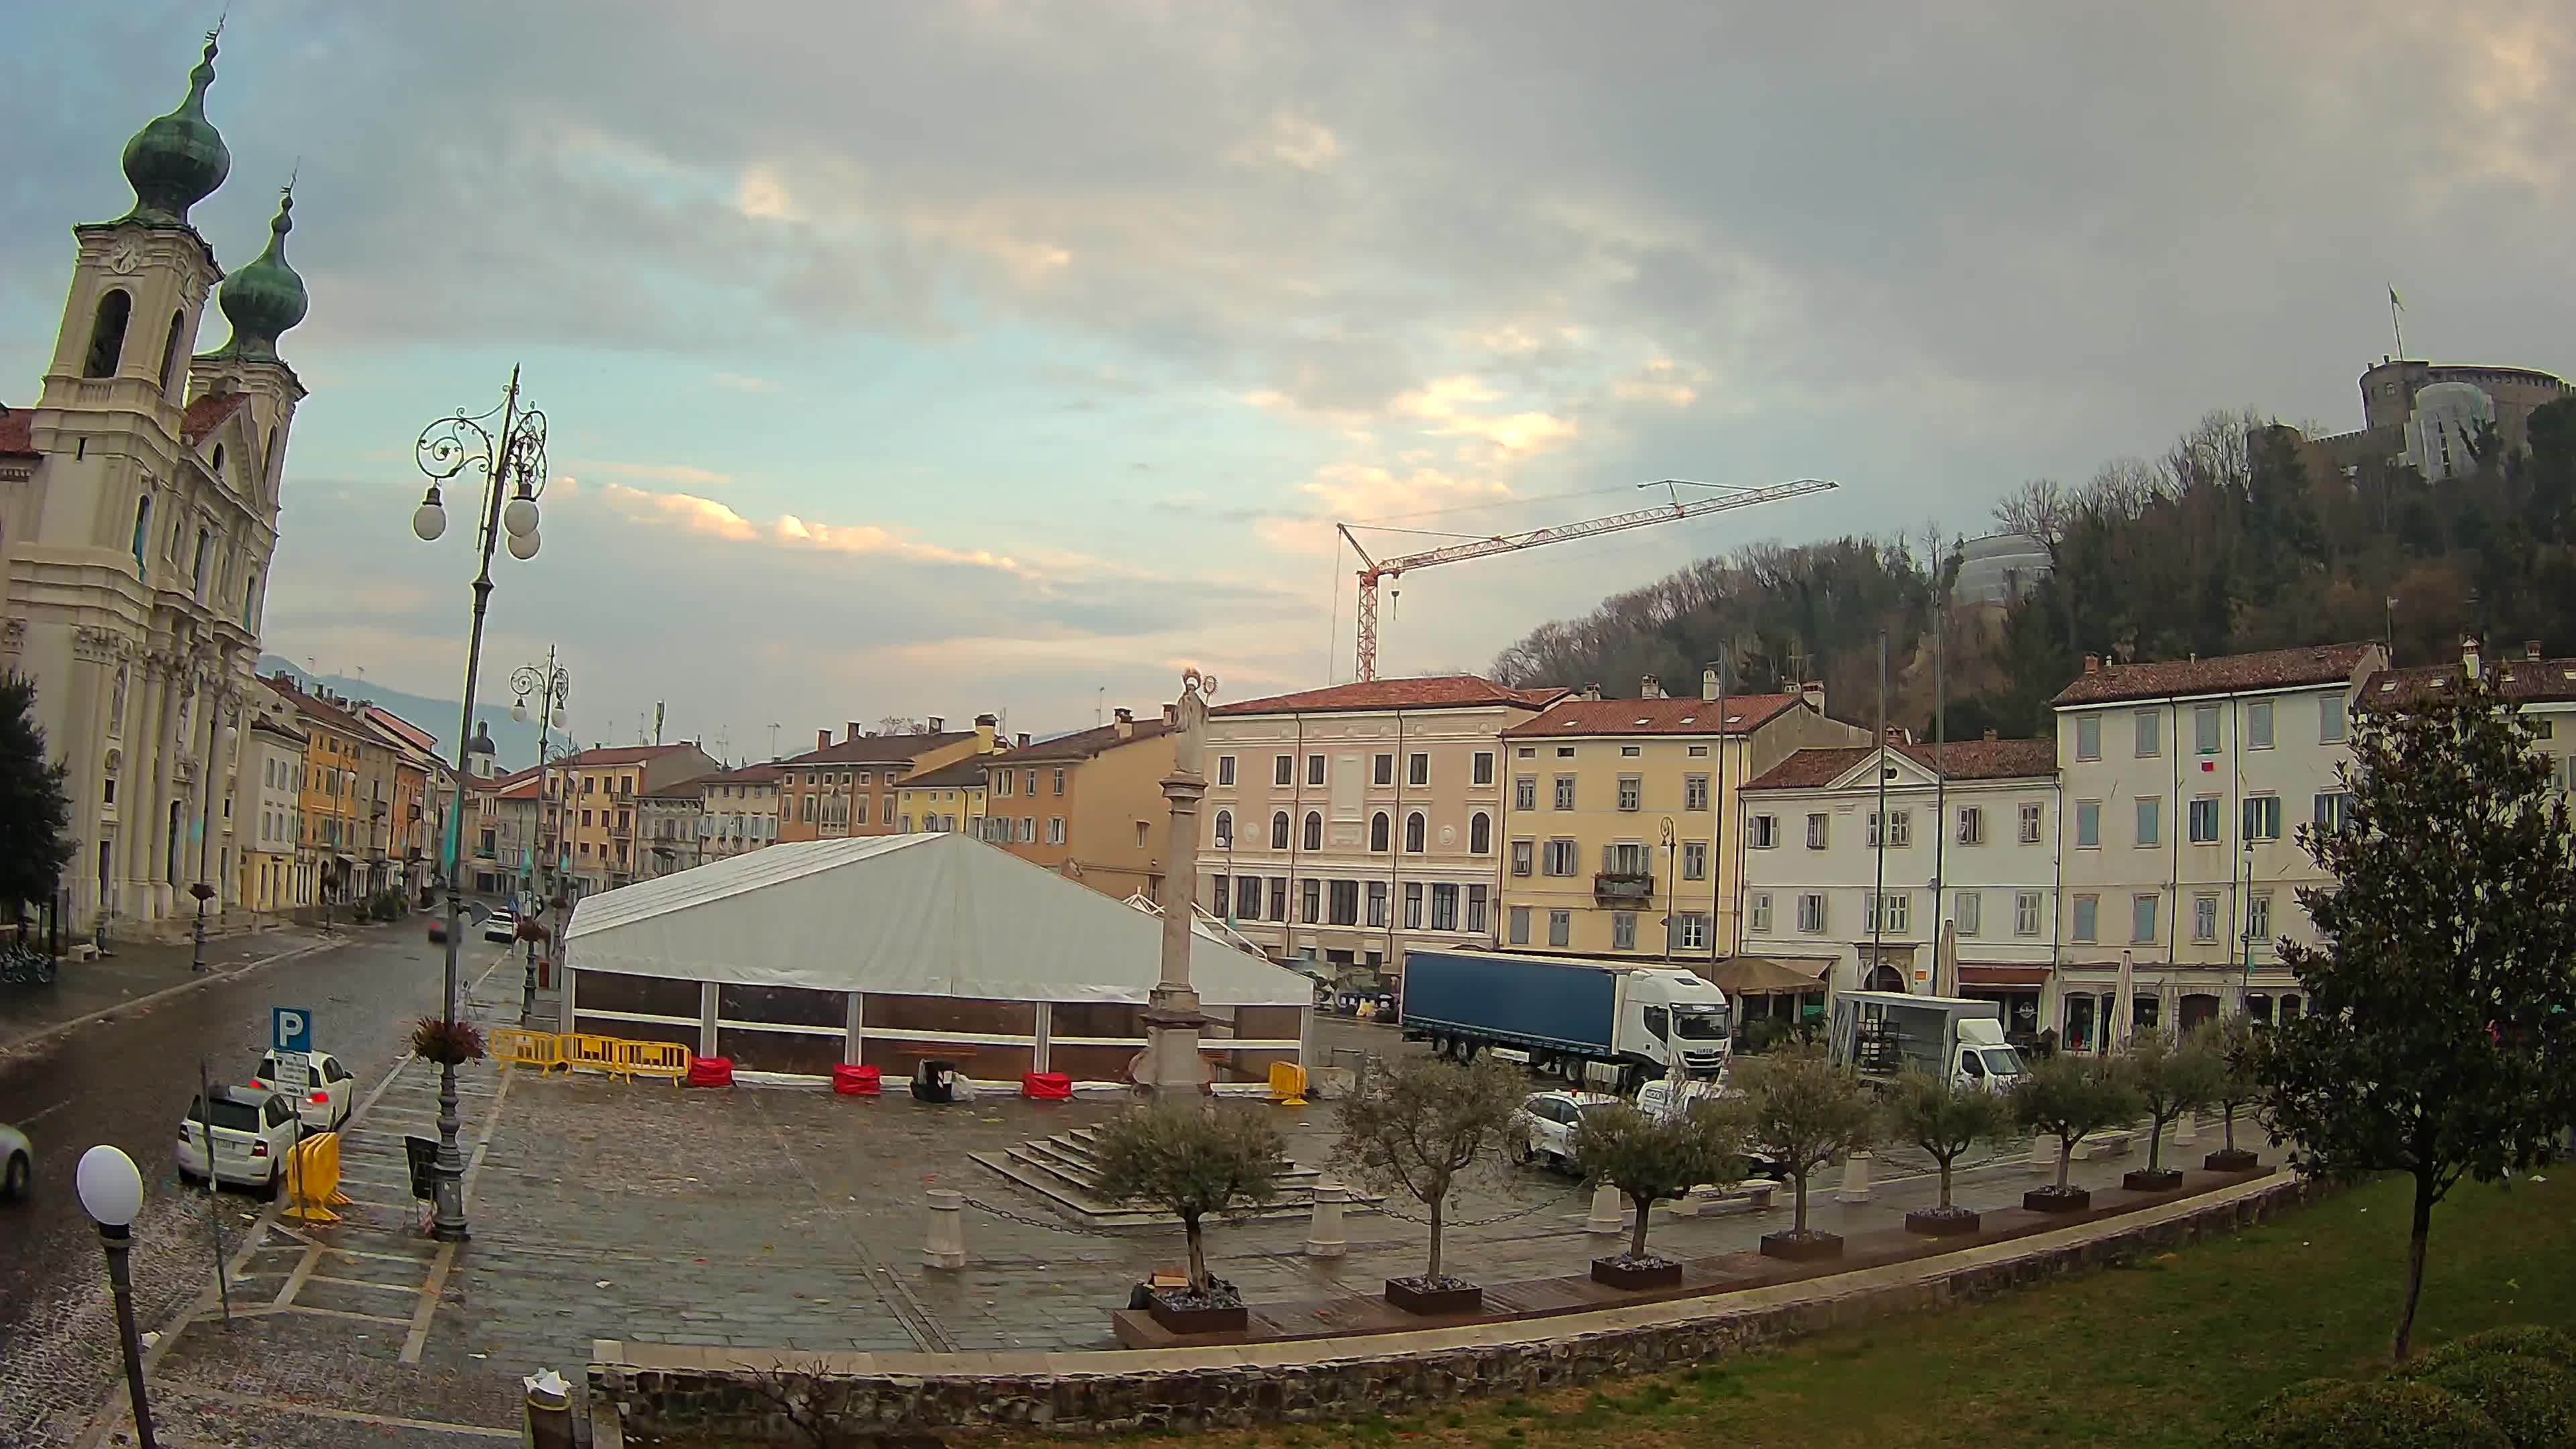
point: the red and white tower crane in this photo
(1377, 572)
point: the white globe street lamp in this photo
(111, 1192)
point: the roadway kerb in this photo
(47, 1036)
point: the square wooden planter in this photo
(1618, 1273)
(1197, 1318)
(1934, 1223)
(2050, 1200)
(1813, 1247)
(2233, 1159)
(1411, 1295)
(2162, 1179)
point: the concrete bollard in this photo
(547, 1422)
(2187, 1130)
(946, 1247)
(2043, 1154)
(1855, 1186)
(1609, 1215)
(1325, 1237)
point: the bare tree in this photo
(1419, 1125)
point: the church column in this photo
(83, 746)
(134, 804)
(179, 695)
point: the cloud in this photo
(684, 474)
(743, 382)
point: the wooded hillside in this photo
(2223, 544)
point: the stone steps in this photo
(1064, 1170)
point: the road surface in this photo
(127, 1081)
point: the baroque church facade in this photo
(138, 515)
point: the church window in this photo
(142, 526)
(205, 550)
(107, 334)
(219, 463)
(170, 351)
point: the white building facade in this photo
(2184, 783)
(1970, 844)
(1291, 848)
(138, 513)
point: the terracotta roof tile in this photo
(1694, 716)
(316, 708)
(962, 774)
(878, 749)
(2522, 679)
(603, 756)
(17, 433)
(1962, 760)
(1437, 691)
(761, 774)
(207, 413)
(2228, 673)
(1081, 744)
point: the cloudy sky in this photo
(931, 359)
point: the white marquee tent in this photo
(900, 916)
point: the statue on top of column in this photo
(1189, 735)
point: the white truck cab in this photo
(1678, 1020)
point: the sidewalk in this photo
(138, 969)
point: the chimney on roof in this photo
(1592, 690)
(823, 739)
(850, 731)
(1021, 739)
(1650, 688)
(1990, 734)
(1708, 684)
(2469, 655)
(985, 729)
(1813, 691)
(1126, 723)
(1171, 714)
(938, 724)
(2531, 650)
(2092, 663)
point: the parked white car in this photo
(324, 1101)
(253, 1130)
(501, 925)
(17, 1164)
(1547, 1121)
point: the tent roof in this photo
(937, 914)
(1765, 976)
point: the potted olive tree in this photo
(2067, 1097)
(1649, 1159)
(1944, 1118)
(1192, 1160)
(1417, 1128)
(2173, 1075)
(2233, 1042)
(1803, 1111)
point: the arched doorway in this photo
(1885, 977)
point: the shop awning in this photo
(1971, 974)
(1763, 976)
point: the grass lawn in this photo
(2155, 1354)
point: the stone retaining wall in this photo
(653, 1389)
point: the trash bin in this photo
(930, 1081)
(549, 1412)
(422, 1155)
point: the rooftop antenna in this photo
(657, 721)
(773, 739)
(2396, 322)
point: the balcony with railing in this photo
(1623, 887)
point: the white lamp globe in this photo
(523, 546)
(559, 717)
(111, 1190)
(519, 515)
(429, 520)
(519, 711)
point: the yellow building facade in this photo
(949, 797)
(1621, 828)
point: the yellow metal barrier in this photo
(540, 1049)
(600, 1053)
(1288, 1084)
(654, 1059)
(313, 1179)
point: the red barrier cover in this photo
(711, 1072)
(851, 1079)
(1046, 1086)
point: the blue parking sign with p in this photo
(290, 1029)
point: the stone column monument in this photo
(1172, 1065)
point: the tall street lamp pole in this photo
(1172, 1063)
(551, 686)
(513, 465)
(111, 1192)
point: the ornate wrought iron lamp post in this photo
(550, 686)
(513, 464)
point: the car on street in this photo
(17, 1164)
(438, 930)
(325, 1099)
(501, 926)
(1546, 1125)
(251, 1130)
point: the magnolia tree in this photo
(1419, 1126)
(1931, 1110)
(1192, 1160)
(2172, 1076)
(2441, 1024)
(1803, 1112)
(2068, 1097)
(1649, 1159)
